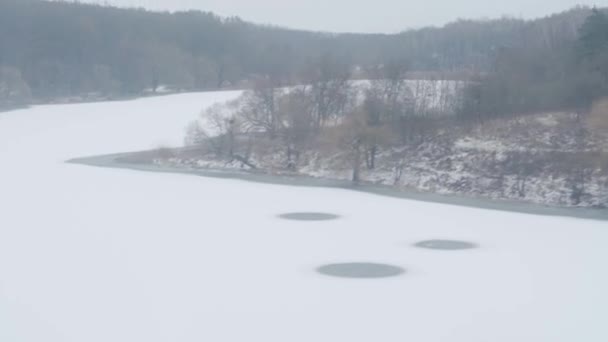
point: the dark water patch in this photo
(361, 270)
(309, 216)
(446, 245)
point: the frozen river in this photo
(96, 255)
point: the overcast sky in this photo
(386, 16)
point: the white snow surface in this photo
(90, 254)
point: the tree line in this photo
(61, 49)
(566, 72)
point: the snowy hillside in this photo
(551, 159)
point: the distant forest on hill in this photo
(50, 50)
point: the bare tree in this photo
(357, 134)
(577, 181)
(260, 108)
(218, 129)
(329, 86)
(388, 91)
(387, 101)
(298, 129)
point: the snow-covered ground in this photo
(90, 254)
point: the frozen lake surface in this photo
(95, 254)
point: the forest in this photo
(59, 50)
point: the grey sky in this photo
(362, 16)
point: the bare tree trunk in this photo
(398, 173)
(291, 164)
(521, 186)
(230, 144)
(371, 154)
(220, 76)
(231, 137)
(357, 161)
(578, 186)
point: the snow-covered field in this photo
(90, 254)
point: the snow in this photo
(89, 254)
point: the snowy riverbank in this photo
(550, 159)
(148, 161)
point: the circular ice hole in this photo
(446, 245)
(309, 216)
(361, 270)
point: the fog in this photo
(386, 16)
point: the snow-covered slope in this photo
(91, 254)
